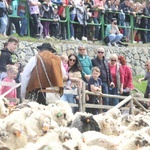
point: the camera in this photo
(115, 23)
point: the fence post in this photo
(102, 24)
(83, 97)
(80, 99)
(101, 102)
(131, 106)
(68, 21)
(132, 27)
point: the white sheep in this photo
(126, 120)
(114, 112)
(99, 139)
(67, 110)
(17, 137)
(3, 110)
(59, 116)
(134, 143)
(41, 124)
(137, 125)
(109, 126)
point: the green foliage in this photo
(141, 87)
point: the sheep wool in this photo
(85, 122)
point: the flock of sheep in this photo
(31, 126)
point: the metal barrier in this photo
(101, 23)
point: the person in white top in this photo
(42, 71)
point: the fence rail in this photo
(82, 98)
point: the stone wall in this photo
(136, 56)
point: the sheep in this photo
(52, 146)
(114, 112)
(66, 109)
(66, 134)
(45, 139)
(19, 114)
(3, 110)
(137, 125)
(16, 135)
(126, 120)
(134, 143)
(36, 106)
(85, 122)
(145, 130)
(59, 116)
(100, 139)
(3, 134)
(109, 126)
(41, 124)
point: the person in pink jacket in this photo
(117, 77)
(12, 72)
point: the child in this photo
(46, 14)
(147, 77)
(94, 85)
(12, 72)
(55, 24)
(64, 59)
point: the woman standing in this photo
(147, 77)
(117, 77)
(74, 78)
(46, 10)
(128, 85)
(3, 17)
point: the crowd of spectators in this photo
(112, 76)
(81, 11)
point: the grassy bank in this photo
(141, 87)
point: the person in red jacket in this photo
(128, 85)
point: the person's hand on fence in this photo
(121, 90)
(38, 4)
(112, 85)
(87, 77)
(127, 89)
(139, 81)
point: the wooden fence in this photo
(82, 98)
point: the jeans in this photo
(72, 17)
(105, 91)
(24, 24)
(128, 30)
(46, 28)
(148, 36)
(3, 24)
(35, 18)
(113, 101)
(70, 99)
(97, 27)
(115, 37)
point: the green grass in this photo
(141, 87)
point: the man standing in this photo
(85, 62)
(105, 75)
(42, 71)
(8, 56)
